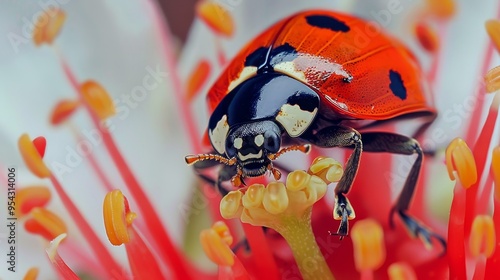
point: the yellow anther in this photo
(275, 198)
(32, 274)
(98, 99)
(63, 110)
(492, 79)
(32, 157)
(30, 197)
(442, 9)
(482, 236)
(215, 244)
(253, 196)
(47, 26)
(117, 217)
(401, 271)
(230, 205)
(297, 180)
(369, 248)
(45, 223)
(327, 169)
(493, 29)
(223, 231)
(460, 158)
(216, 17)
(495, 167)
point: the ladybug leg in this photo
(340, 136)
(399, 144)
(226, 173)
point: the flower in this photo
(139, 187)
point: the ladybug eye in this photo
(271, 142)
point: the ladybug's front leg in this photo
(399, 144)
(340, 136)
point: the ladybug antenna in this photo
(303, 148)
(191, 159)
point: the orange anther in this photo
(98, 99)
(216, 17)
(32, 274)
(45, 223)
(369, 248)
(482, 236)
(198, 78)
(492, 79)
(493, 29)
(442, 8)
(459, 158)
(31, 197)
(32, 157)
(47, 26)
(401, 271)
(117, 217)
(427, 37)
(215, 244)
(63, 110)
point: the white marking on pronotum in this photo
(238, 143)
(218, 135)
(289, 68)
(259, 140)
(250, 155)
(246, 73)
(295, 120)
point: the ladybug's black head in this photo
(251, 144)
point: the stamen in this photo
(31, 197)
(32, 274)
(117, 217)
(191, 159)
(369, 248)
(460, 158)
(253, 196)
(275, 199)
(48, 26)
(231, 205)
(45, 223)
(63, 110)
(492, 79)
(493, 29)
(197, 79)
(427, 37)
(215, 244)
(303, 148)
(32, 157)
(40, 143)
(98, 99)
(482, 237)
(327, 169)
(216, 17)
(401, 271)
(495, 167)
(57, 262)
(443, 9)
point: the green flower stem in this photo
(298, 233)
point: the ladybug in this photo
(316, 78)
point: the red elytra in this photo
(365, 52)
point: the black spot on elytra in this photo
(397, 85)
(327, 22)
(259, 58)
